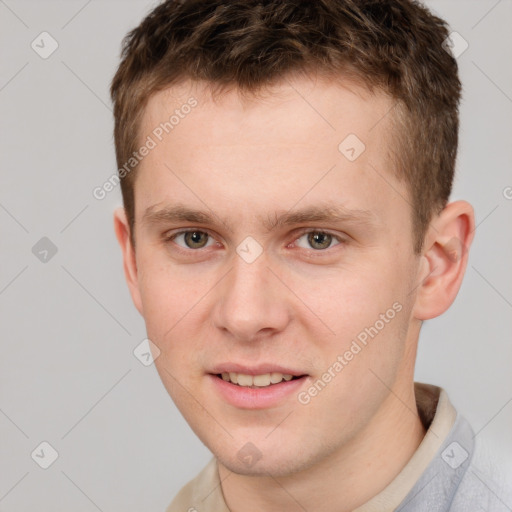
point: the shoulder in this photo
(460, 477)
(486, 485)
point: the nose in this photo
(251, 302)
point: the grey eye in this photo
(193, 239)
(317, 240)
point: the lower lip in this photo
(256, 398)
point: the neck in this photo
(348, 478)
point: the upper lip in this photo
(259, 369)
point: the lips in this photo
(256, 387)
(258, 369)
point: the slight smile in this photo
(260, 387)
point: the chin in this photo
(270, 460)
(275, 467)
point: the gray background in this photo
(68, 375)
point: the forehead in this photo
(297, 110)
(251, 150)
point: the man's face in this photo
(266, 280)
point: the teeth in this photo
(244, 380)
(276, 377)
(260, 381)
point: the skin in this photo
(244, 161)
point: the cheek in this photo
(361, 315)
(348, 299)
(176, 314)
(167, 300)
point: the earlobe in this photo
(444, 259)
(122, 230)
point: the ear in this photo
(122, 230)
(444, 259)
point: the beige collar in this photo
(438, 416)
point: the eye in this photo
(193, 239)
(317, 240)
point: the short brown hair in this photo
(396, 46)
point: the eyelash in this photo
(169, 237)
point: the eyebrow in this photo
(329, 213)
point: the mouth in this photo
(263, 380)
(256, 388)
